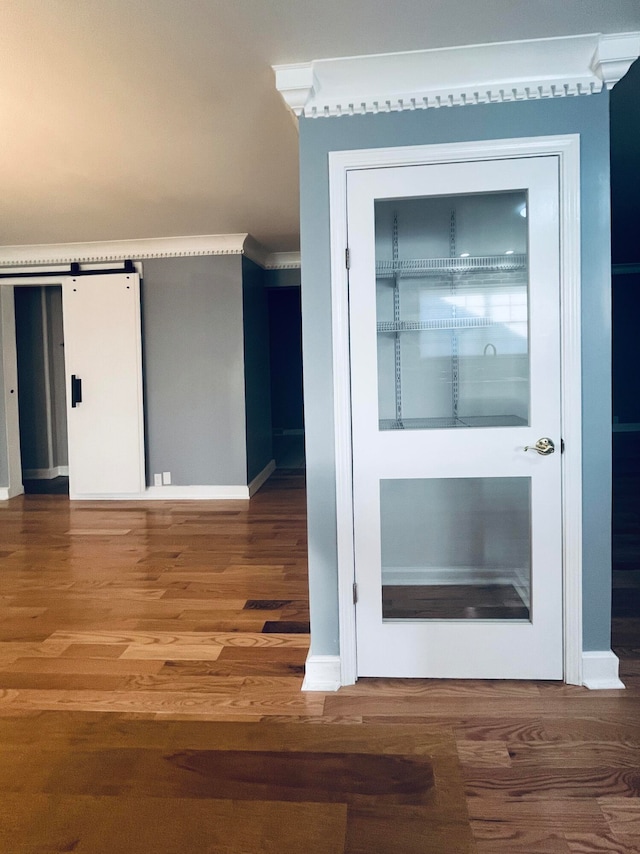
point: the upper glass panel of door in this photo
(452, 311)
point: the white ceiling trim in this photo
(36, 255)
(614, 56)
(282, 261)
(475, 74)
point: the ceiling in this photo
(152, 118)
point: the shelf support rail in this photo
(396, 320)
(455, 361)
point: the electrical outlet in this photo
(166, 478)
(157, 480)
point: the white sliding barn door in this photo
(103, 359)
(456, 403)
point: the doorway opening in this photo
(285, 346)
(41, 389)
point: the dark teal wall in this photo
(585, 115)
(257, 382)
(282, 278)
(285, 335)
(625, 167)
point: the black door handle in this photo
(76, 390)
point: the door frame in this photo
(567, 149)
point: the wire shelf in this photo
(435, 324)
(437, 266)
(449, 422)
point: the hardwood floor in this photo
(453, 602)
(151, 658)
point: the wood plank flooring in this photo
(151, 659)
(453, 602)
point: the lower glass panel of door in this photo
(456, 548)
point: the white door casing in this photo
(564, 150)
(103, 349)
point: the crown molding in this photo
(614, 56)
(282, 261)
(474, 74)
(296, 83)
(254, 251)
(41, 254)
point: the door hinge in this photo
(355, 593)
(347, 259)
(562, 446)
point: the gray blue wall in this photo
(257, 384)
(587, 116)
(204, 320)
(194, 369)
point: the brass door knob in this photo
(543, 446)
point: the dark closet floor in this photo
(55, 486)
(288, 451)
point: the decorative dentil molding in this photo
(39, 255)
(282, 261)
(474, 74)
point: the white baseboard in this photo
(46, 474)
(205, 492)
(7, 492)
(600, 670)
(173, 493)
(261, 478)
(322, 673)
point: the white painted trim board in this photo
(531, 69)
(600, 670)
(46, 474)
(53, 255)
(262, 477)
(7, 492)
(175, 493)
(322, 673)
(567, 149)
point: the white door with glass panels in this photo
(455, 383)
(103, 365)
